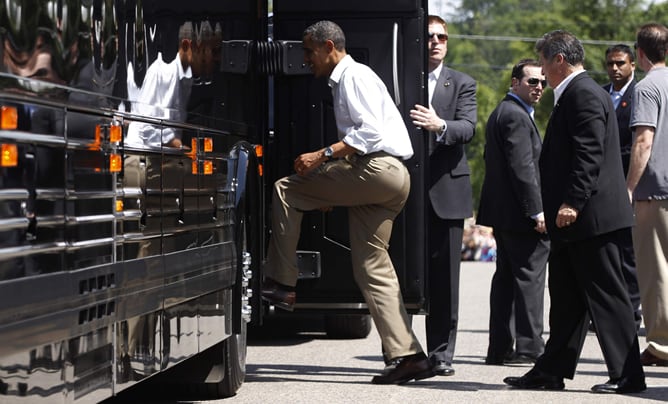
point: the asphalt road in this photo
(284, 367)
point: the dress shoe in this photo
(281, 296)
(520, 359)
(492, 359)
(649, 359)
(443, 368)
(536, 380)
(621, 386)
(405, 369)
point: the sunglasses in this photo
(441, 37)
(533, 82)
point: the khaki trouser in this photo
(650, 242)
(374, 188)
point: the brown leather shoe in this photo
(412, 367)
(281, 296)
(649, 359)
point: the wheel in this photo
(348, 325)
(234, 364)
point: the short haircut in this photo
(620, 47)
(652, 38)
(518, 69)
(325, 30)
(561, 42)
(434, 19)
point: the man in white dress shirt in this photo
(363, 171)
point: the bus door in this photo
(388, 36)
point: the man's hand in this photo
(426, 118)
(308, 162)
(566, 215)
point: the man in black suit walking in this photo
(620, 65)
(586, 212)
(510, 202)
(450, 122)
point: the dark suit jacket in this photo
(580, 164)
(511, 189)
(454, 100)
(623, 112)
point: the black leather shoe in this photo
(443, 368)
(281, 296)
(621, 386)
(536, 380)
(412, 367)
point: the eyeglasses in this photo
(441, 37)
(533, 82)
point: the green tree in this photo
(487, 37)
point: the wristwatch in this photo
(329, 152)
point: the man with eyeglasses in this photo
(510, 203)
(587, 211)
(620, 65)
(449, 121)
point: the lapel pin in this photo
(446, 84)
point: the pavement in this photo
(307, 367)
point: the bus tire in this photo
(348, 326)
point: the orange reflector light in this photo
(115, 133)
(10, 118)
(208, 144)
(208, 167)
(259, 150)
(193, 145)
(119, 205)
(194, 167)
(115, 163)
(260, 170)
(10, 155)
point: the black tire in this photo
(234, 366)
(348, 326)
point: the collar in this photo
(626, 86)
(558, 90)
(434, 74)
(340, 67)
(526, 106)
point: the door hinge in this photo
(264, 57)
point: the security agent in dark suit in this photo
(510, 203)
(620, 65)
(586, 211)
(450, 123)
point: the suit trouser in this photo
(374, 188)
(650, 239)
(517, 294)
(445, 239)
(585, 281)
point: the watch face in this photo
(329, 152)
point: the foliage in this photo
(488, 36)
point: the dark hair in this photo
(434, 19)
(620, 47)
(322, 31)
(652, 38)
(518, 69)
(564, 43)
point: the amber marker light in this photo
(119, 205)
(10, 155)
(208, 167)
(194, 167)
(9, 118)
(115, 133)
(115, 163)
(259, 152)
(208, 144)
